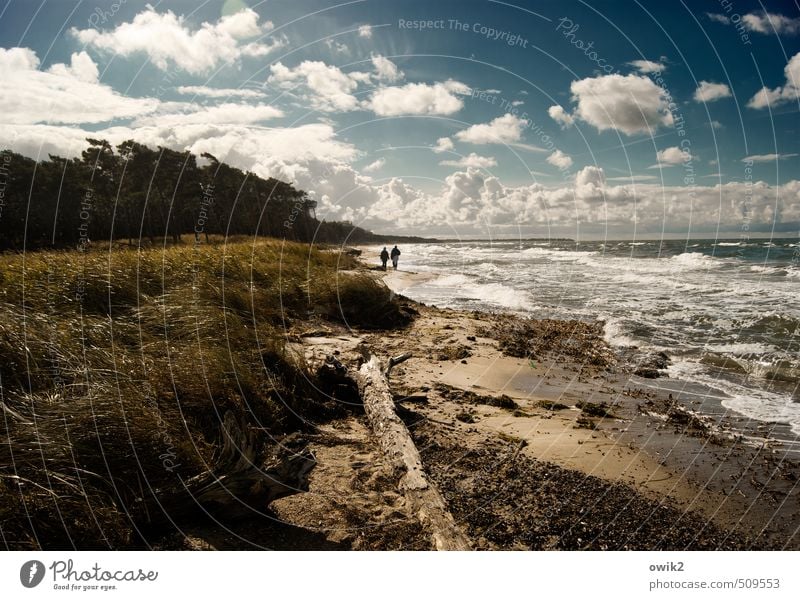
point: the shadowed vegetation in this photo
(116, 369)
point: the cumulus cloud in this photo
(560, 116)
(81, 67)
(443, 144)
(670, 157)
(211, 92)
(62, 94)
(440, 98)
(768, 23)
(374, 166)
(560, 160)
(789, 92)
(472, 160)
(502, 130)
(709, 92)
(385, 69)
(647, 66)
(365, 31)
(168, 39)
(763, 158)
(628, 103)
(313, 158)
(327, 87)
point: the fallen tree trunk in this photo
(395, 441)
(246, 477)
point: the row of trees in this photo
(134, 193)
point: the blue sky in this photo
(441, 118)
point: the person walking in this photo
(395, 257)
(384, 257)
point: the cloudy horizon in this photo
(471, 119)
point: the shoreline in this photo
(745, 484)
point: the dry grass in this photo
(116, 369)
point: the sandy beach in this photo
(565, 441)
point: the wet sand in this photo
(747, 484)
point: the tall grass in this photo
(117, 367)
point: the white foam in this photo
(613, 333)
(759, 405)
(740, 349)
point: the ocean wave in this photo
(495, 294)
(562, 255)
(614, 333)
(740, 348)
(757, 404)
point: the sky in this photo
(464, 118)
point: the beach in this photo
(567, 443)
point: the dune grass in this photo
(116, 368)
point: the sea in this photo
(727, 312)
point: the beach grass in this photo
(116, 368)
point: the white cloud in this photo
(648, 66)
(336, 46)
(763, 158)
(211, 92)
(709, 92)
(517, 103)
(385, 69)
(365, 31)
(768, 23)
(716, 125)
(62, 94)
(443, 144)
(314, 160)
(374, 166)
(790, 92)
(560, 116)
(670, 157)
(634, 178)
(330, 89)
(228, 113)
(502, 130)
(418, 99)
(560, 160)
(81, 67)
(718, 18)
(631, 103)
(472, 160)
(167, 39)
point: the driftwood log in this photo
(248, 474)
(395, 441)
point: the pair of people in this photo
(395, 256)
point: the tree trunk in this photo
(395, 441)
